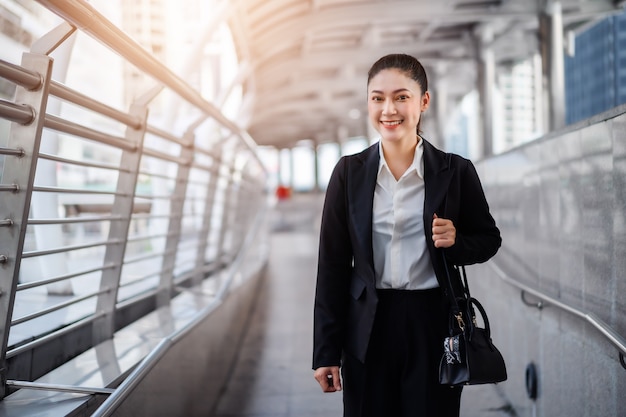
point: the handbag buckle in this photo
(459, 319)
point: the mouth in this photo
(390, 123)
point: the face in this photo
(395, 105)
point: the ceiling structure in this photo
(308, 59)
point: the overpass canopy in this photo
(308, 59)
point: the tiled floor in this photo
(273, 376)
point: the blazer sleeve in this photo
(478, 237)
(333, 272)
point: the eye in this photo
(376, 98)
(402, 97)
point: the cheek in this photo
(372, 111)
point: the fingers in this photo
(328, 378)
(336, 379)
(444, 232)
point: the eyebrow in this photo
(393, 92)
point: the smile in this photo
(391, 123)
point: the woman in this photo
(392, 215)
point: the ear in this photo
(425, 101)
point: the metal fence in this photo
(103, 222)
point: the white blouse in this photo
(401, 258)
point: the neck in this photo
(399, 155)
(400, 150)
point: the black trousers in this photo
(400, 375)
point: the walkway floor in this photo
(273, 376)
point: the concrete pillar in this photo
(551, 35)
(440, 101)
(538, 101)
(282, 166)
(279, 168)
(342, 138)
(486, 81)
(316, 165)
(291, 166)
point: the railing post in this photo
(229, 168)
(104, 325)
(205, 230)
(237, 220)
(45, 205)
(177, 204)
(246, 205)
(19, 173)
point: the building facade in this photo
(595, 75)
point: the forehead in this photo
(393, 79)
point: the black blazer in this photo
(345, 298)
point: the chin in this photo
(392, 137)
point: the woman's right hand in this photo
(328, 378)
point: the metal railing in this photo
(112, 403)
(166, 214)
(546, 300)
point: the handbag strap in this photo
(464, 283)
(450, 291)
(474, 302)
(456, 310)
(469, 301)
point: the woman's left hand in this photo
(444, 232)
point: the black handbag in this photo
(469, 357)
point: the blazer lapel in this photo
(437, 176)
(362, 183)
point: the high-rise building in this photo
(144, 21)
(595, 76)
(517, 116)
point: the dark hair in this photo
(407, 64)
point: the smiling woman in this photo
(396, 103)
(392, 217)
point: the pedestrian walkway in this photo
(272, 375)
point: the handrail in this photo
(25, 114)
(28, 285)
(59, 387)
(19, 113)
(52, 335)
(108, 407)
(84, 16)
(615, 338)
(27, 79)
(10, 151)
(58, 307)
(217, 164)
(65, 126)
(65, 93)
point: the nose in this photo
(389, 107)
